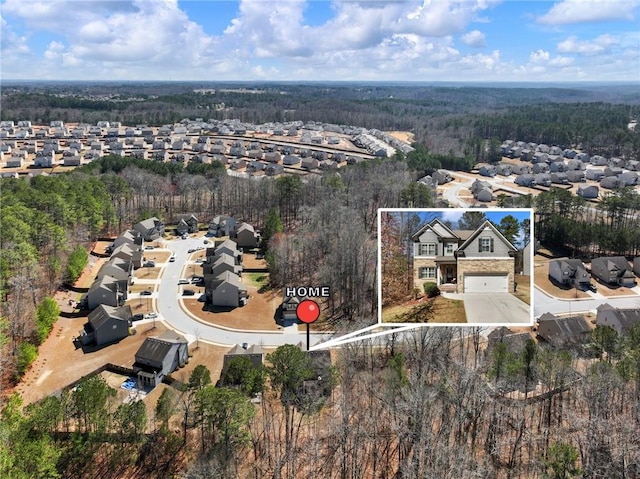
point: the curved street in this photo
(167, 298)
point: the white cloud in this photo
(581, 11)
(597, 46)
(474, 38)
(539, 56)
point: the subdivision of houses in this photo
(225, 289)
(613, 270)
(569, 272)
(620, 319)
(479, 261)
(106, 324)
(159, 356)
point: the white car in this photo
(183, 281)
(151, 315)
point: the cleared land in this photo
(147, 273)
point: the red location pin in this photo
(308, 311)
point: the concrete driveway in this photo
(495, 308)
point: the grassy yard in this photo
(258, 280)
(437, 310)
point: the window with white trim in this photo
(427, 272)
(427, 249)
(486, 245)
(449, 248)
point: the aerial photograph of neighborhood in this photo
(291, 239)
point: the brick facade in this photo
(421, 263)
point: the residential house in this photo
(187, 224)
(563, 332)
(525, 180)
(487, 170)
(575, 176)
(594, 174)
(159, 356)
(588, 191)
(540, 168)
(542, 179)
(504, 169)
(309, 163)
(474, 261)
(514, 342)
(289, 306)
(628, 178)
(569, 272)
(222, 225)
(150, 229)
(521, 169)
(255, 354)
(613, 171)
(245, 236)
(291, 160)
(129, 252)
(131, 237)
(107, 290)
(442, 176)
(557, 167)
(559, 178)
(225, 247)
(118, 268)
(610, 182)
(221, 263)
(613, 270)
(274, 170)
(225, 290)
(106, 324)
(622, 320)
(597, 160)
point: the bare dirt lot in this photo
(59, 363)
(606, 290)
(157, 256)
(147, 273)
(100, 247)
(405, 136)
(258, 314)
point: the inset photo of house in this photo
(455, 266)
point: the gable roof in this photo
(103, 313)
(228, 277)
(438, 227)
(559, 330)
(480, 229)
(627, 317)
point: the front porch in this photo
(446, 273)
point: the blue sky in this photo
(340, 40)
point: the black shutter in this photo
(492, 245)
(479, 245)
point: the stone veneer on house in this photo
(487, 266)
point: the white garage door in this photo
(486, 284)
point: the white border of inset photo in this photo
(448, 274)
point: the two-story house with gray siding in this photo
(479, 261)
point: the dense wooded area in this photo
(435, 402)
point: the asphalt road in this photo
(167, 298)
(543, 303)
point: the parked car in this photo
(206, 241)
(137, 317)
(183, 281)
(259, 255)
(149, 247)
(152, 315)
(192, 250)
(188, 292)
(184, 236)
(197, 279)
(172, 259)
(146, 292)
(150, 264)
